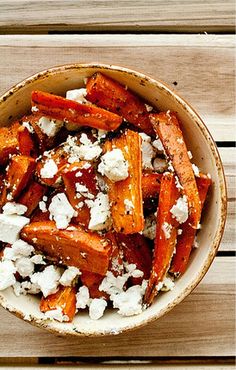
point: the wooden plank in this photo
(152, 15)
(202, 325)
(129, 366)
(201, 65)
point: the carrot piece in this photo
(32, 196)
(81, 174)
(136, 250)
(84, 115)
(109, 94)
(19, 172)
(167, 127)
(8, 142)
(166, 235)
(39, 216)
(186, 239)
(76, 247)
(64, 299)
(151, 184)
(92, 282)
(26, 143)
(127, 221)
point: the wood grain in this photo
(128, 366)
(201, 65)
(202, 325)
(151, 15)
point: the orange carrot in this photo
(26, 142)
(151, 184)
(93, 281)
(60, 108)
(166, 235)
(186, 239)
(8, 142)
(31, 196)
(167, 127)
(124, 220)
(64, 299)
(109, 94)
(76, 247)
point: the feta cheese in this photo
(88, 152)
(43, 206)
(7, 271)
(148, 152)
(129, 206)
(56, 314)
(196, 170)
(37, 259)
(50, 127)
(77, 95)
(100, 213)
(167, 228)
(47, 281)
(18, 249)
(10, 227)
(12, 208)
(82, 297)
(28, 126)
(180, 210)
(168, 284)
(69, 275)
(49, 170)
(61, 211)
(157, 144)
(24, 266)
(150, 227)
(129, 303)
(97, 308)
(160, 164)
(190, 154)
(26, 287)
(82, 190)
(114, 166)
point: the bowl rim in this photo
(208, 259)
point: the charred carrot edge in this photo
(76, 247)
(167, 127)
(87, 178)
(166, 235)
(127, 222)
(8, 142)
(18, 174)
(109, 94)
(151, 184)
(60, 108)
(32, 196)
(186, 239)
(26, 142)
(64, 299)
(92, 282)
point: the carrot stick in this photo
(26, 143)
(186, 239)
(64, 299)
(32, 196)
(8, 142)
(167, 127)
(76, 247)
(60, 108)
(128, 190)
(166, 235)
(93, 281)
(151, 184)
(109, 94)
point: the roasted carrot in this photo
(39, 216)
(127, 220)
(109, 94)
(60, 108)
(19, 172)
(186, 239)
(8, 142)
(166, 235)
(76, 247)
(80, 173)
(167, 127)
(93, 281)
(26, 143)
(151, 184)
(31, 196)
(64, 299)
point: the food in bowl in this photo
(100, 201)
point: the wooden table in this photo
(190, 45)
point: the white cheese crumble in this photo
(157, 144)
(196, 170)
(37, 259)
(160, 164)
(49, 170)
(148, 152)
(190, 154)
(96, 308)
(77, 95)
(42, 206)
(150, 227)
(129, 206)
(7, 271)
(12, 208)
(10, 227)
(28, 126)
(129, 302)
(82, 297)
(69, 275)
(47, 281)
(24, 266)
(61, 211)
(114, 166)
(18, 249)
(99, 212)
(56, 314)
(180, 210)
(167, 228)
(83, 191)
(26, 287)
(88, 152)
(50, 127)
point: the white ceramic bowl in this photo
(16, 102)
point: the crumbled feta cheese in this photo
(157, 144)
(7, 271)
(168, 284)
(24, 266)
(129, 206)
(97, 308)
(179, 232)
(148, 152)
(77, 95)
(47, 281)
(34, 108)
(10, 227)
(129, 303)
(88, 152)
(82, 297)
(150, 227)
(100, 213)
(43, 206)
(50, 127)
(61, 211)
(148, 107)
(196, 170)
(82, 190)
(49, 170)
(177, 183)
(18, 249)
(167, 228)
(56, 314)
(37, 259)
(28, 126)
(114, 166)
(9, 196)
(190, 154)
(101, 134)
(26, 287)
(12, 208)
(69, 275)
(195, 243)
(160, 164)
(180, 210)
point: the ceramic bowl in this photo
(16, 102)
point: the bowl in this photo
(16, 102)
